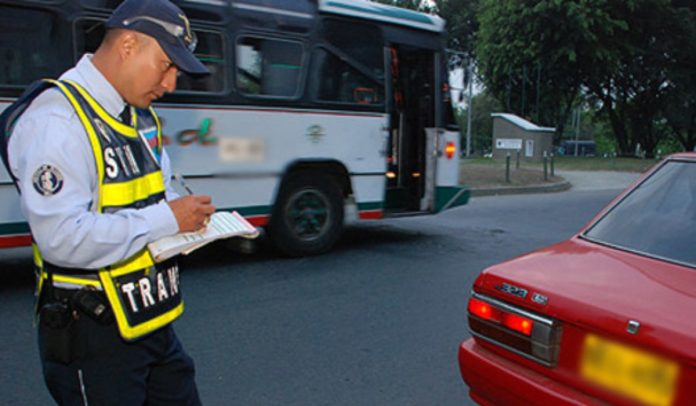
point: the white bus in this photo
(317, 112)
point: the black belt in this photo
(90, 302)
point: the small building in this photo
(512, 133)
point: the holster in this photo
(57, 330)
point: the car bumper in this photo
(494, 380)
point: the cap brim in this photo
(183, 59)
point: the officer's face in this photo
(151, 74)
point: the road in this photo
(375, 322)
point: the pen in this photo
(180, 179)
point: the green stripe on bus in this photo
(402, 14)
(284, 66)
(210, 59)
(251, 210)
(370, 206)
(443, 195)
(14, 228)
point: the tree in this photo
(532, 54)
(679, 104)
(631, 87)
(481, 123)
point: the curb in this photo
(513, 190)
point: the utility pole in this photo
(577, 129)
(470, 109)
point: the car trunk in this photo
(594, 291)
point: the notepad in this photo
(222, 225)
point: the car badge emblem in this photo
(632, 327)
(540, 299)
(513, 290)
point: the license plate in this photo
(634, 373)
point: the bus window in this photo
(336, 81)
(367, 48)
(209, 51)
(88, 35)
(267, 67)
(28, 51)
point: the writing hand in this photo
(192, 212)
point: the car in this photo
(605, 317)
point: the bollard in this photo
(507, 168)
(546, 167)
(517, 160)
(553, 172)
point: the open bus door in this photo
(423, 146)
(412, 110)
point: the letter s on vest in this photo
(111, 164)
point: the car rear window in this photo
(657, 218)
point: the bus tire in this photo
(307, 218)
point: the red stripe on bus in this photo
(371, 215)
(15, 241)
(258, 221)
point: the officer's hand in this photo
(192, 212)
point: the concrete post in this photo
(507, 168)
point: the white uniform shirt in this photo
(65, 226)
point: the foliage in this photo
(679, 103)
(481, 123)
(632, 63)
(532, 54)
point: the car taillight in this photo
(522, 332)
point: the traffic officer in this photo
(86, 154)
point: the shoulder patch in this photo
(47, 180)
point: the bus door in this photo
(412, 110)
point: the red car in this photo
(606, 317)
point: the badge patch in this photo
(47, 180)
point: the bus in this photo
(316, 112)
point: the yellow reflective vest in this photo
(143, 295)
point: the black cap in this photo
(165, 22)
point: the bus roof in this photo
(380, 12)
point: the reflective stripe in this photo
(125, 193)
(82, 387)
(141, 260)
(89, 128)
(73, 282)
(111, 121)
(159, 130)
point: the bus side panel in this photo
(248, 150)
(14, 231)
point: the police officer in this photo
(86, 155)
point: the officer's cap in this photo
(164, 22)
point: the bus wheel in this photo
(308, 215)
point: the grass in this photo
(569, 163)
(486, 172)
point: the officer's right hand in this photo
(192, 212)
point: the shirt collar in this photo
(87, 75)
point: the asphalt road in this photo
(376, 322)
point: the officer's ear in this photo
(127, 44)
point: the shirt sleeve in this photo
(53, 147)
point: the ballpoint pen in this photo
(180, 179)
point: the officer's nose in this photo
(169, 79)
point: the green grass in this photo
(568, 163)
